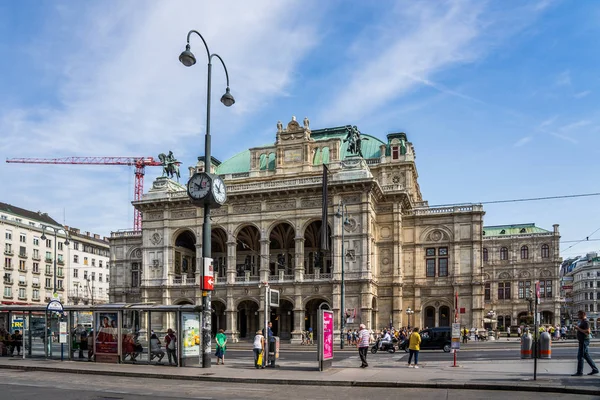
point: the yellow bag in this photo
(259, 361)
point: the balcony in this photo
(36, 257)
(60, 289)
(281, 278)
(35, 285)
(22, 283)
(48, 273)
(35, 272)
(22, 269)
(48, 287)
(184, 280)
(8, 281)
(9, 253)
(22, 297)
(22, 255)
(60, 261)
(8, 267)
(60, 275)
(49, 260)
(8, 296)
(35, 299)
(317, 277)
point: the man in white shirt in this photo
(387, 338)
(363, 345)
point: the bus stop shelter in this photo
(115, 333)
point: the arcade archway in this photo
(247, 319)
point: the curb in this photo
(536, 387)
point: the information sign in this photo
(208, 280)
(64, 334)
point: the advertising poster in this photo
(106, 333)
(327, 335)
(455, 343)
(190, 323)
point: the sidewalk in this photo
(553, 375)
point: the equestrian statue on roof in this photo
(170, 165)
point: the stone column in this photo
(231, 318)
(264, 260)
(298, 317)
(231, 261)
(299, 258)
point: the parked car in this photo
(433, 339)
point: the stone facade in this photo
(514, 258)
(399, 253)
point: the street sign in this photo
(208, 280)
(455, 343)
(273, 297)
(55, 305)
(64, 334)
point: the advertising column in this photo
(190, 351)
(325, 352)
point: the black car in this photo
(433, 339)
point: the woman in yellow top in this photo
(414, 345)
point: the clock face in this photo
(199, 186)
(218, 190)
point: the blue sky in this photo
(500, 98)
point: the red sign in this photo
(462, 310)
(208, 280)
(327, 335)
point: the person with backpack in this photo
(171, 345)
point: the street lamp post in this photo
(55, 232)
(188, 59)
(409, 312)
(342, 213)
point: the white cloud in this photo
(563, 79)
(581, 95)
(523, 141)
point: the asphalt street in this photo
(17, 385)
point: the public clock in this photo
(199, 186)
(218, 189)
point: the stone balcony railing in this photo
(126, 233)
(183, 280)
(23, 255)
(36, 258)
(447, 210)
(9, 252)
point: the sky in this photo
(499, 98)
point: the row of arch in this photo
(544, 252)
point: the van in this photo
(433, 339)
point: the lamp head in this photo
(67, 242)
(338, 214)
(187, 58)
(43, 236)
(227, 98)
(347, 222)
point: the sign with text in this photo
(325, 333)
(63, 332)
(208, 279)
(455, 343)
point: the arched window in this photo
(504, 253)
(485, 254)
(545, 251)
(524, 253)
(325, 157)
(262, 164)
(271, 162)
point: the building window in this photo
(439, 256)
(85, 275)
(488, 291)
(93, 276)
(36, 294)
(48, 284)
(524, 253)
(22, 266)
(48, 256)
(22, 294)
(549, 289)
(48, 272)
(49, 243)
(585, 295)
(135, 274)
(60, 245)
(75, 246)
(22, 238)
(59, 284)
(7, 291)
(443, 267)
(8, 248)
(100, 263)
(485, 254)
(36, 267)
(504, 253)
(76, 259)
(85, 261)
(99, 277)
(8, 235)
(523, 288)
(36, 241)
(545, 251)
(93, 262)
(75, 273)
(503, 290)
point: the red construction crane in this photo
(140, 164)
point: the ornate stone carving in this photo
(436, 235)
(314, 203)
(218, 211)
(396, 179)
(351, 225)
(385, 232)
(354, 199)
(137, 253)
(281, 205)
(180, 214)
(524, 274)
(504, 275)
(154, 215)
(350, 255)
(155, 239)
(545, 273)
(293, 125)
(246, 208)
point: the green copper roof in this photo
(370, 149)
(519, 229)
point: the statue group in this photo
(170, 165)
(354, 140)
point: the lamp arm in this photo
(222, 62)
(203, 41)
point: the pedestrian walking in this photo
(414, 346)
(258, 347)
(507, 332)
(363, 345)
(171, 345)
(583, 336)
(17, 342)
(221, 340)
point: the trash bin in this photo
(545, 345)
(273, 353)
(526, 343)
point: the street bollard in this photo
(526, 343)
(545, 345)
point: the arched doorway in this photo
(547, 318)
(429, 320)
(247, 321)
(218, 320)
(524, 318)
(444, 316)
(184, 265)
(282, 318)
(248, 252)
(311, 312)
(219, 253)
(282, 248)
(315, 260)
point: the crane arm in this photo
(136, 161)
